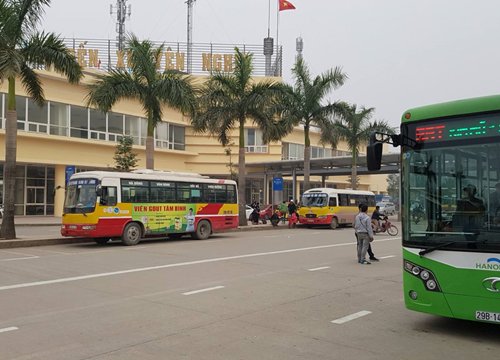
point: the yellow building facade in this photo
(64, 134)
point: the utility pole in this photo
(190, 4)
(122, 13)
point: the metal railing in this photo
(104, 54)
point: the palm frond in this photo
(243, 68)
(29, 13)
(177, 91)
(143, 59)
(32, 84)
(11, 63)
(109, 88)
(48, 49)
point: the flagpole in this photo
(277, 33)
(269, 18)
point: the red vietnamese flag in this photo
(285, 5)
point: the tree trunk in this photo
(8, 229)
(307, 158)
(150, 146)
(354, 171)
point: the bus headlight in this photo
(425, 275)
(430, 285)
(413, 295)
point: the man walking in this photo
(364, 233)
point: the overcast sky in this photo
(397, 54)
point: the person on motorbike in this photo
(376, 217)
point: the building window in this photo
(3, 110)
(133, 128)
(115, 126)
(79, 120)
(176, 137)
(169, 136)
(161, 135)
(21, 112)
(58, 118)
(253, 141)
(290, 151)
(37, 117)
(320, 152)
(97, 124)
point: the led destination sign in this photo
(458, 129)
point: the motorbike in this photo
(417, 214)
(385, 226)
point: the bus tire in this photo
(101, 241)
(334, 224)
(203, 230)
(392, 230)
(132, 234)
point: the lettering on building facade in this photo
(168, 60)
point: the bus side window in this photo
(108, 197)
(343, 199)
(332, 202)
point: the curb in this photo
(29, 242)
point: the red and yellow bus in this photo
(333, 207)
(145, 203)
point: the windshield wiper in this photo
(437, 247)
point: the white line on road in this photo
(351, 317)
(187, 263)
(319, 268)
(21, 258)
(203, 290)
(388, 256)
(16, 253)
(12, 328)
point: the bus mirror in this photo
(374, 156)
(98, 190)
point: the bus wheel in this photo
(334, 224)
(101, 241)
(132, 234)
(203, 230)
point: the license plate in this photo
(72, 227)
(309, 220)
(487, 316)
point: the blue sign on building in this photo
(277, 183)
(70, 170)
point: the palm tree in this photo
(305, 106)
(228, 100)
(354, 127)
(146, 84)
(23, 49)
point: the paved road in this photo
(271, 294)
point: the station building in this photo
(65, 136)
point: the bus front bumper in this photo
(320, 220)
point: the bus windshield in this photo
(451, 196)
(315, 200)
(81, 196)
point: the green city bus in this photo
(450, 175)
